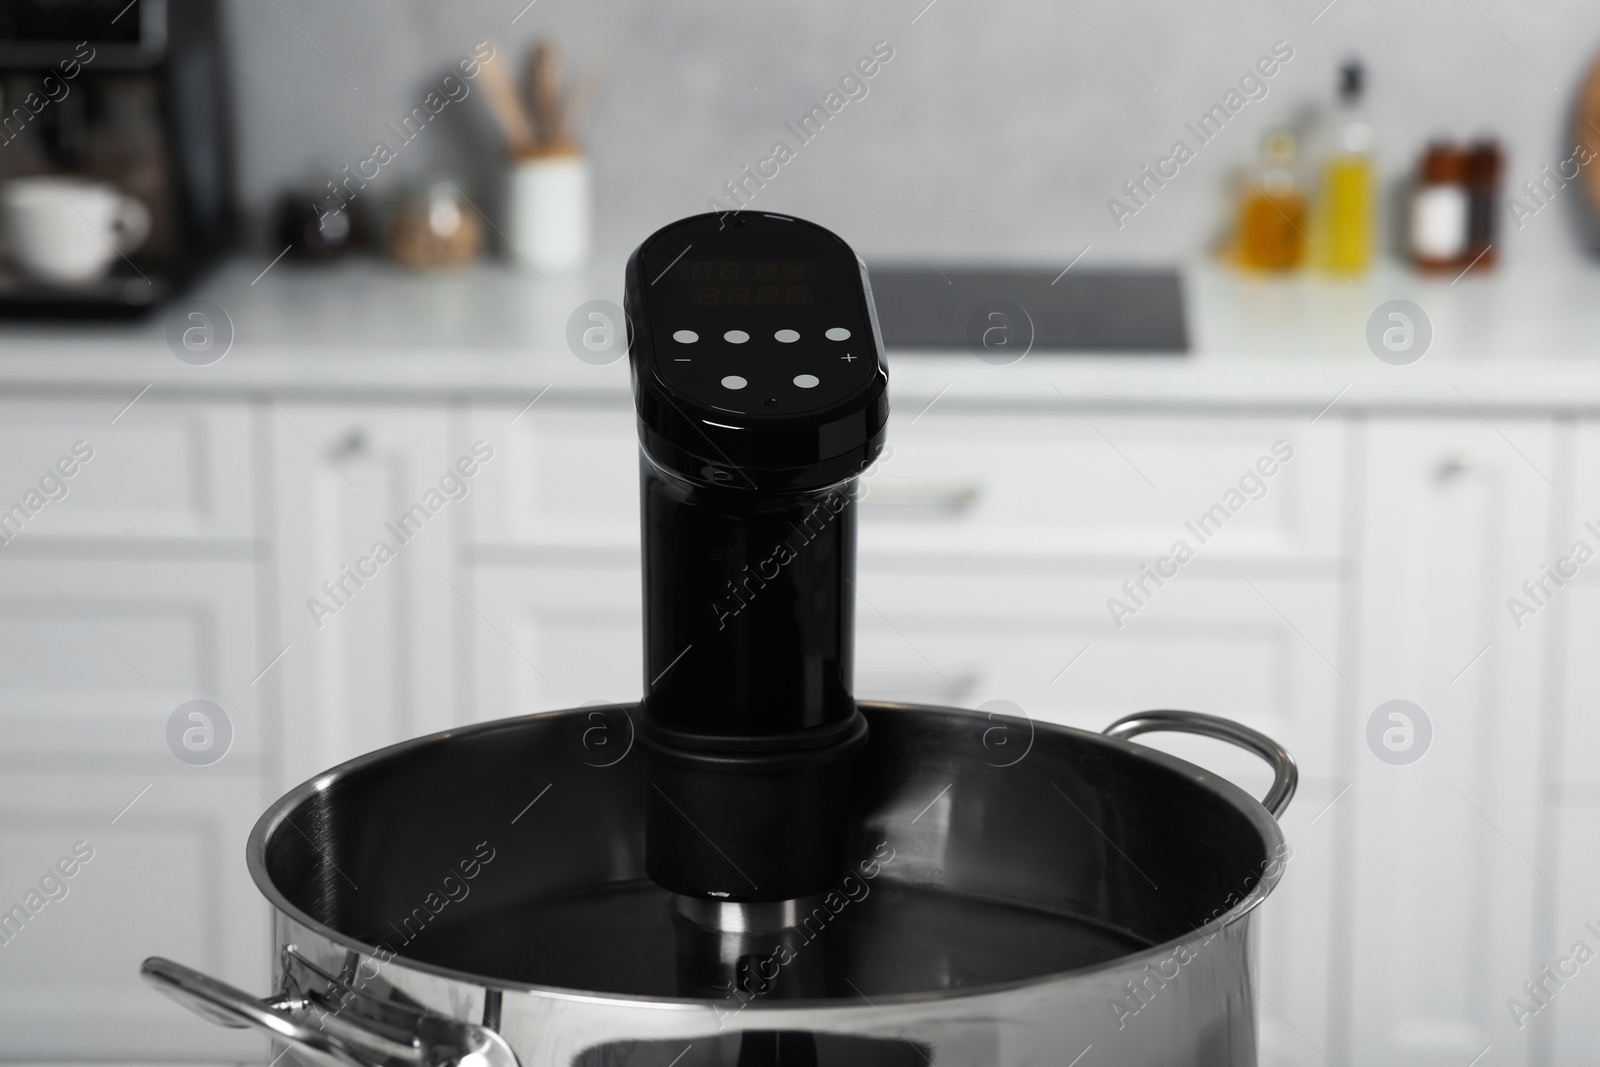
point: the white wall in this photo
(999, 129)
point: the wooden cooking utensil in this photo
(507, 108)
(547, 78)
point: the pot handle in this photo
(1285, 775)
(296, 1022)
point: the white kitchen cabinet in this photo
(1577, 607)
(364, 634)
(167, 877)
(554, 636)
(159, 470)
(1573, 605)
(1444, 889)
(1374, 565)
(97, 656)
(1045, 641)
(1561, 1019)
(964, 480)
(568, 476)
(98, 653)
(968, 481)
(1300, 930)
(555, 614)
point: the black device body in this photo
(762, 395)
(135, 93)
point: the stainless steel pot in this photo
(1026, 894)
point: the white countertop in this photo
(1508, 341)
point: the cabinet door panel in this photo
(554, 637)
(570, 475)
(1579, 603)
(166, 876)
(98, 654)
(1446, 887)
(161, 469)
(1299, 932)
(1580, 685)
(1565, 1016)
(1047, 643)
(1072, 483)
(366, 659)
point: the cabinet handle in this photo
(355, 442)
(433, 1040)
(1454, 465)
(1285, 775)
(950, 500)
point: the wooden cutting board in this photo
(1586, 131)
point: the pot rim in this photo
(1261, 820)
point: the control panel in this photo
(756, 315)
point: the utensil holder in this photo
(548, 210)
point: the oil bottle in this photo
(1346, 196)
(1272, 209)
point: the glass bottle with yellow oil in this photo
(1272, 208)
(1345, 227)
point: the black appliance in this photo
(133, 93)
(761, 396)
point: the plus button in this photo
(848, 358)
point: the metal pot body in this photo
(364, 865)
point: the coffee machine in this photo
(116, 176)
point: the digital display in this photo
(761, 316)
(742, 282)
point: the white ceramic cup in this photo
(548, 213)
(70, 230)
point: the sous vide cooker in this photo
(771, 873)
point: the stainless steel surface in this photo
(1097, 892)
(732, 917)
(1285, 774)
(311, 1022)
(721, 945)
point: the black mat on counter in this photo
(1135, 312)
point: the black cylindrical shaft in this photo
(747, 715)
(748, 606)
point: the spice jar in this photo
(435, 227)
(1440, 210)
(1485, 164)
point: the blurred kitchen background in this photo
(1029, 116)
(239, 342)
